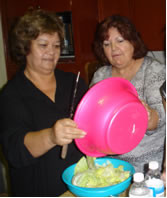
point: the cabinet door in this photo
(18, 7)
(55, 5)
(85, 18)
(110, 7)
(149, 17)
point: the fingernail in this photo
(82, 136)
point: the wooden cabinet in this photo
(55, 5)
(148, 16)
(110, 7)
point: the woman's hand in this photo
(64, 131)
(152, 116)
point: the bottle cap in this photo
(153, 165)
(138, 177)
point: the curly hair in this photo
(28, 28)
(128, 31)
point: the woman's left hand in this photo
(152, 116)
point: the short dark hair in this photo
(28, 28)
(126, 28)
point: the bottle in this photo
(138, 188)
(153, 180)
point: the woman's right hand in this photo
(64, 131)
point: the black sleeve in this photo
(15, 123)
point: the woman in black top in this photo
(34, 108)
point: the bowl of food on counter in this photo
(98, 177)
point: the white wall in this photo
(3, 74)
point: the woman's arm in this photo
(62, 132)
(153, 117)
(154, 77)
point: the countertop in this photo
(69, 194)
(124, 194)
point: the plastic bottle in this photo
(153, 180)
(138, 188)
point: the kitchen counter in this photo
(69, 194)
(124, 194)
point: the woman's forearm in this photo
(38, 142)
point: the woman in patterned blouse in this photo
(122, 52)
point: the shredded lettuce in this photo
(98, 176)
(81, 166)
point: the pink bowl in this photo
(113, 117)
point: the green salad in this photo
(91, 175)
